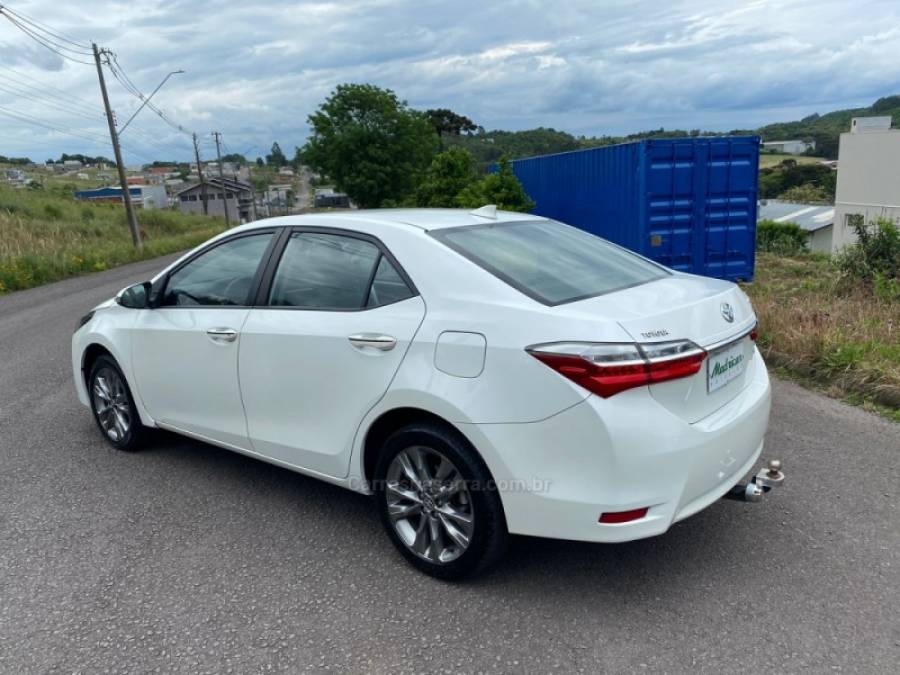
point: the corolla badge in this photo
(727, 312)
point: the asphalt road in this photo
(188, 558)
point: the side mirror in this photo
(135, 297)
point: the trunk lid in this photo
(687, 307)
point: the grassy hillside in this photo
(45, 235)
(839, 336)
(489, 146)
(825, 129)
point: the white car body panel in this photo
(186, 379)
(293, 391)
(305, 387)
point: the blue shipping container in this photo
(688, 203)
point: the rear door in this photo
(330, 329)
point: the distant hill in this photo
(489, 146)
(825, 129)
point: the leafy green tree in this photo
(276, 157)
(501, 188)
(370, 143)
(450, 173)
(450, 123)
(260, 162)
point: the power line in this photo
(10, 89)
(53, 46)
(123, 79)
(43, 27)
(49, 90)
(52, 127)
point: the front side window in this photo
(221, 276)
(330, 271)
(550, 262)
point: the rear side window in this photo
(548, 261)
(387, 285)
(331, 271)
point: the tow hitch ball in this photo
(770, 477)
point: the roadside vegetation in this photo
(832, 322)
(46, 235)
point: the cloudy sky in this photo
(254, 71)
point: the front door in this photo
(185, 350)
(338, 320)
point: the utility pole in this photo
(218, 138)
(203, 195)
(252, 190)
(120, 165)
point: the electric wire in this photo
(50, 91)
(43, 27)
(52, 46)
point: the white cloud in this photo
(256, 70)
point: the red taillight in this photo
(606, 369)
(754, 333)
(623, 516)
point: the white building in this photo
(789, 147)
(868, 180)
(815, 219)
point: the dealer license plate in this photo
(724, 365)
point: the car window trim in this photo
(158, 290)
(265, 286)
(441, 236)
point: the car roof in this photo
(421, 219)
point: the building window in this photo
(853, 220)
(193, 198)
(184, 198)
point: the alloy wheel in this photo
(111, 403)
(429, 504)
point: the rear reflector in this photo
(606, 369)
(623, 516)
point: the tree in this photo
(448, 122)
(234, 158)
(260, 162)
(276, 158)
(501, 188)
(370, 143)
(450, 173)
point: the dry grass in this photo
(46, 236)
(837, 334)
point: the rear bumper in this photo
(627, 452)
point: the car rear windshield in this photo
(550, 262)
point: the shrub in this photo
(52, 211)
(806, 194)
(780, 238)
(87, 214)
(876, 255)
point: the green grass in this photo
(825, 329)
(46, 235)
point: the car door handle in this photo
(378, 341)
(222, 334)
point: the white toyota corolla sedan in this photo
(481, 373)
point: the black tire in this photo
(488, 535)
(128, 437)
